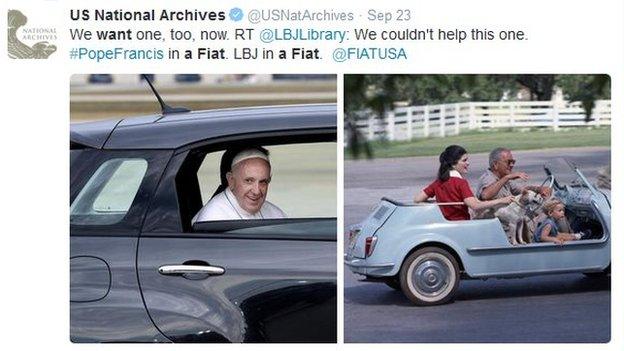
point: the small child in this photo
(548, 229)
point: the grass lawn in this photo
(476, 142)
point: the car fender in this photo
(391, 251)
(413, 242)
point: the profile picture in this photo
(203, 208)
(477, 208)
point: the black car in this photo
(187, 78)
(100, 78)
(135, 185)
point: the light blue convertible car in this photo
(415, 249)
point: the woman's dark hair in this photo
(448, 158)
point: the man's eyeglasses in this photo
(509, 162)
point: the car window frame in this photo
(85, 165)
(316, 229)
(155, 226)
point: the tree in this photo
(586, 89)
(377, 93)
(541, 86)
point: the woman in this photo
(452, 187)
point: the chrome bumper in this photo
(360, 266)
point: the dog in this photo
(516, 216)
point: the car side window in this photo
(108, 194)
(303, 178)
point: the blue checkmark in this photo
(236, 14)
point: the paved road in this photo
(557, 308)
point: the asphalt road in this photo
(555, 308)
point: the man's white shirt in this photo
(224, 206)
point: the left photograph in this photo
(203, 208)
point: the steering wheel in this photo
(550, 180)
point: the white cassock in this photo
(224, 206)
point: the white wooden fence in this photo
(407, 123)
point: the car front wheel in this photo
(430, 276)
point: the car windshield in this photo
(568, 173)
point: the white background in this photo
(564, 37)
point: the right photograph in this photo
(477, 208)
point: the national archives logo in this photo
(29, 42)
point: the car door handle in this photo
(190, 269)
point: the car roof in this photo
(172, 131)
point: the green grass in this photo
(476, 142)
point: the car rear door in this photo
(259, 282)
(109, 194)
(236, 281)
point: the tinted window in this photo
(109, 193)
(286, 229)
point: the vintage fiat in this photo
(413, 248)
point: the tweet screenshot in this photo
(327, 176)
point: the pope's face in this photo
(249, 181)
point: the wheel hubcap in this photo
(431, 277)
